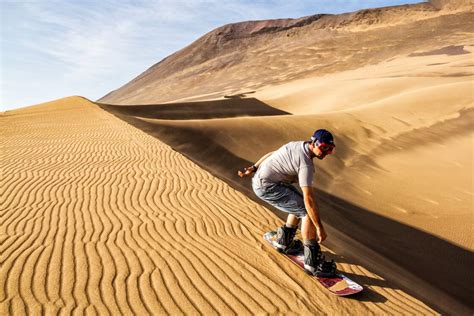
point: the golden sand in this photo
(100, 218)
(97, 216)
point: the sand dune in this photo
(132, 205)
(409, 111)
(99, 217)
(411, 116)
(395, 123)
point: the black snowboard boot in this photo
(314, 261)
(285, 240)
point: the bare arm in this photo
(249, 170)
(312, 209)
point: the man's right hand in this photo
(321, 234)
(247, 171)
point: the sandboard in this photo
(339, 284)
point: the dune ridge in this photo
(99, 217)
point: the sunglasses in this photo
(325, 148)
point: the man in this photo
(271, 182)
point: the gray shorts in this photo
(283, 196)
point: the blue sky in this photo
(52, 49)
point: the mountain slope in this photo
(247, 56)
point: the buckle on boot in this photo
(326, 269)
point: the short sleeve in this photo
(305, 176)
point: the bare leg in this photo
(292, 221)
(308, 230)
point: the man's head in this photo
(322, 143)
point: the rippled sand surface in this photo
(98, 217)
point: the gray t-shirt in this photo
(290, 163)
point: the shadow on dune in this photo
(198, 110)
(425, 266)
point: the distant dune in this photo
(250, 55)
(132, 204)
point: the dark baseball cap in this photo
(323, 136)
